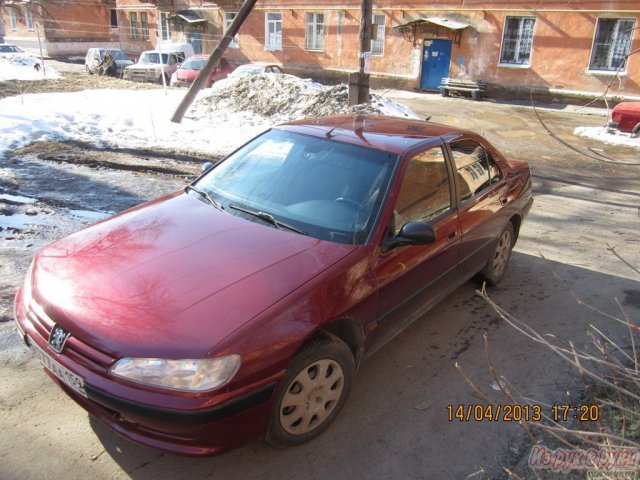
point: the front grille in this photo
(75, 349)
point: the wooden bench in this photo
(476, 89)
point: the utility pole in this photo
(359, 82)
(213, 61)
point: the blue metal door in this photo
(436, 56)
(195, 39)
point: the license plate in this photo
(65, 375)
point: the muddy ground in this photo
(395, 424)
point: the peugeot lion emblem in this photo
(58, 338)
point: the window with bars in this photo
(144, 21)
(377, 45)
(135, 30)
(273, 31)
(517, 40)
(612, 44)
(314, 31)
(228, 18)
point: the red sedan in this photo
(626, 117)
(242, 306)
(190, 69)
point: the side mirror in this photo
(206, 166)
(416, 233)
(411, 233)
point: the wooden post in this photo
(213, 61)
(366, 17)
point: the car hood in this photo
(172, 278)
(184, 74)
(123, 63)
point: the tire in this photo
(312, 393)
(497, 262)
(636, 130)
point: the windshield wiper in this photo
(267, 217)
(206, 196)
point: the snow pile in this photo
(23, 67)
(602, 134)
(283, 98)
(220, 120)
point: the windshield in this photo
(153, 57)
(330, 190)
(196, 64)
(9, 49)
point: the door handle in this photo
(451, 234)
(503, 201)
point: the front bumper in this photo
(186, 425)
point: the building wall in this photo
(64, 29)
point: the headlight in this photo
(27, 286)
(186, 375)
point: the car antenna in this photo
(328, 135)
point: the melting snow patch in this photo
(601, 134)
(16, 199)
(23, 67)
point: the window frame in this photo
(235, 41)
(267, 37)
(164, 26)
(134, 26)
(318, 46)
(13, 19)
(144, 25)
(513, 63)
(28, 20)
(380, 35)
(610, 71)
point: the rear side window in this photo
(424, 194)
(476, 170)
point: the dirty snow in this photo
(220, 119)
(601, 134)
(22, 67)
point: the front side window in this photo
(424, 194)
(475, 168)
(135, 30)
(144, 20)
(314, 31)
(377, 45)
(612, 44)
(517, 40)
(330, 190)
(228, 19)
(273, 31)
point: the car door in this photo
(410, 278)
(482, 195)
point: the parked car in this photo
(242, 306)
(95, 56)
(9, 48)
(256, 68)
(151, 66)
(626, 117)
(190, 69)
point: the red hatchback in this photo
(626, 117)
(242, 306)
(190, 69)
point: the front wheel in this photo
(496, 265)
(314, 390)
(635, 131)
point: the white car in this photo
(256, 68)
(8, 48)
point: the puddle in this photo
(20, 199)
(19, 221)
(90, 214)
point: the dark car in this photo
(242, 306)
(190, 69)
(626, 117)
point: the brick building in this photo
(65, 27)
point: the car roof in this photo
(259, 64)
(390, 134)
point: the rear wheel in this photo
(314, 390)
(496, 265)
